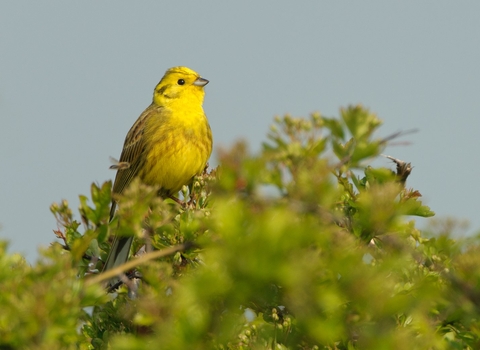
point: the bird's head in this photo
(179, 84)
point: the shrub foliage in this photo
(302, 246)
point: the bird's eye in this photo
(180, 82)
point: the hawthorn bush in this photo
(302, 246)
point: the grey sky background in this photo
(75, 76)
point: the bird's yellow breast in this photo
(179, 145)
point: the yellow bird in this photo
(166, 147)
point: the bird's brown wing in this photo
(132, 154)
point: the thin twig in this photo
(136, 262)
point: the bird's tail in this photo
(118, 255)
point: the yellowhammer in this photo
(167, 146)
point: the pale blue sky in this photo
(74, 76)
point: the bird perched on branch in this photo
(166, 147)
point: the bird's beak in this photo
(200, 82)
